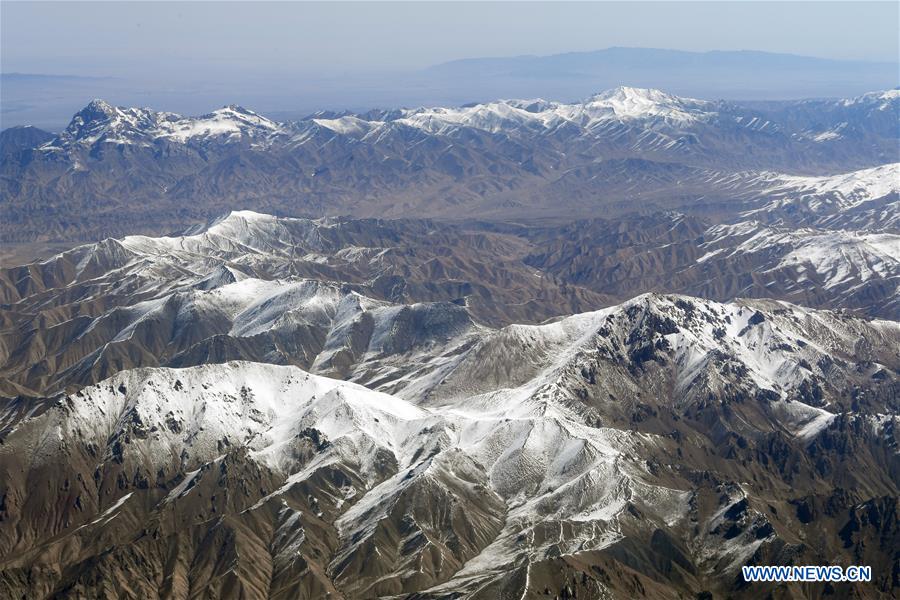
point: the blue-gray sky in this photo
(283, 56)
(111, 38)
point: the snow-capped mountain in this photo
(830, 122)
(333, 295)
(847, 191)
(102, 123)
(861, 199)
(814, 267)
(833, 259)
(531, 444)
(99, 121)
(883, 101)
(623, 105)
(510, 158)
(611, 348)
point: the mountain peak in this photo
(97, 116)
(634, 94)
(886, 98)
(626, 91)
(97, 109)
(640, 103)
(100, 104)
(241, 118)
(236, 108)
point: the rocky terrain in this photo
(117, 171)
(649, 449)
(517, 349)
(317, 294)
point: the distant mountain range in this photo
(612, 348)
(48, 100)
(115, 170)
(736, 75)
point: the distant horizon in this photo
(522, 56)
(329, 37)
(300, 57)
(678, 50)
(566, 76)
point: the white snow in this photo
(143, 127)
(225, 121)
(520, 433)
(616, 105)
(841, 192)
(881, 100)
(853, 188)
(839, 258)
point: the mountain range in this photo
(272, 406)
(278, 289)
(648, 449)
(742, 75)
(47, 100)
(508, 160)
(616, 348)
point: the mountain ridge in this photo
(505, 160)
(286, 290)
(617, 346)
(551, 458)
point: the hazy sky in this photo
(288, 59)
(169, 40)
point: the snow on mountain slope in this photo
(254, 286)
(260, 407)
(229, 121)
(882, 100)
(650, 108)
(619, 104)
(516, 370)
(525, 445)
(304, 322)
(349, 125)
(850, 257)
(637, 103)
(833, 258)
(834, 193)
(234, 235)
(772, 346)
(248, 244)
(100, 122)
(230, 247)
(148, 418)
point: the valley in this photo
(614, 348)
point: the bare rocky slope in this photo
(251, 411)
(320, 294)
(649, 449)
(117, 171)
(617, 348)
